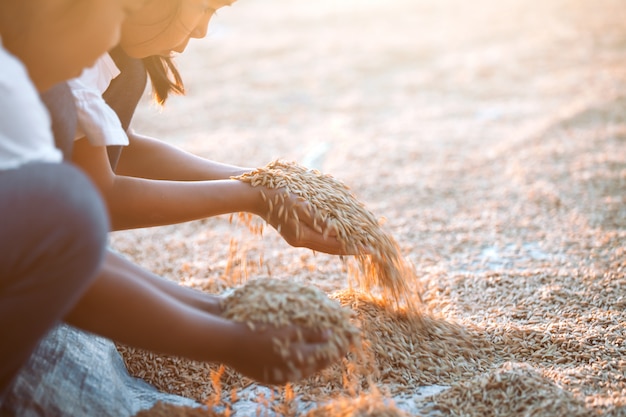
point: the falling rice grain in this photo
(378, 256)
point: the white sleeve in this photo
(25, 126)
(96, 120)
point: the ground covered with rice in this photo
(490, 139)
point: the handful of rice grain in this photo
(280, 303)
(378, 255)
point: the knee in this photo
(53, 219)
(80, 209)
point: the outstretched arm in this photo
(140, 202)
(119, 265)
(146, 157)
(132, 310)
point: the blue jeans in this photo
(53, 234)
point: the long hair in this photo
(164, 77)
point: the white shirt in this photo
(96, 120)
(25, 126)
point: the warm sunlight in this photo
(490, 136)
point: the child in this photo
(54, 265)
(53, 224)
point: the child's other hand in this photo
(257, 356)
(294, 218)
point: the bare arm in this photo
(139, 202)
(146, 157)
(207, 302)
(131, 310)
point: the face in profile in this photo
(165, 26)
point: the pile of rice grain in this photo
(383, 266)
(401, 350)
(279, 303)
(515, 389)
(177, 375)
(411, 349)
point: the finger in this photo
(303, 212)
(315, 240)
(314, 358)
(317, 353)
(315, 336)
(278, 376)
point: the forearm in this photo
(130, 310)
(139, 202)
(136, 202)
(194, 298)
(146, 157)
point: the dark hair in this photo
(164, 77)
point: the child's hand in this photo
(294, 218)
(258, 357)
